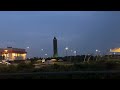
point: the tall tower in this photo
(55, 51)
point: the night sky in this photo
(83, 31)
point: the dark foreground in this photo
(63, 75)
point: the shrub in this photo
(12, 68)
(24, 66)
(110, 65)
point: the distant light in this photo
(96, 50)
(74, 52)
(66, 48)
(28, 47)
(42, 49)
(46, 54)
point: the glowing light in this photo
(74, 52)
(66, 48)
(6, 50)
(115, 50)
(13, 54)
(28, 47)
(46, 54)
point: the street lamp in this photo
(66, 50)
(46, 55)
(28, 51)
(75, 52)
(42, 52)
(28, 47)
(97, 53)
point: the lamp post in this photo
(42, 51)
(27, 50)
(97, 53)
(75, 52)
(46, 55)
(66, 50)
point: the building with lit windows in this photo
(12, 54)
(115, 50)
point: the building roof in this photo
(12, 50)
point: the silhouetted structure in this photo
(55, 51)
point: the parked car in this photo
(53, 60)
(60, 60)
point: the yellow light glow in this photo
(115, 50)
(13, 54)
(6, 50)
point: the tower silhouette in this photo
(55, 51)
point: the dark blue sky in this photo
(83, 31)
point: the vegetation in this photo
(71, 63)
(60, 67)
(100, 65)
(22, 67)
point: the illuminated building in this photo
(115, 50)
(55, 51)
(12, 54)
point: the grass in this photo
(61, 66)
(102, 65)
